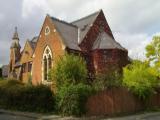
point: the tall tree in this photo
(153, 53)
(153, 50)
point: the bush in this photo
(15, 95)
(107, 80)
(68, 70)
(139, 78)
(71, 100)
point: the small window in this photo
(47, 30)
(107, 56)
(24, 67)
(29, 66)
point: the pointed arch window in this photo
(46, 63)
(50, 62)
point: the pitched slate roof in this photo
(73, 33)
(33, 42)
(104, 41)
(84, 24)
(34, 39)
(18, 64)
(68, 32)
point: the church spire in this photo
(15, 54)
(15, 35)
(15, 40)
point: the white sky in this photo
(133, 22)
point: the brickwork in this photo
(53, 40)
(26, 62)
(106, 60)
(99, 25)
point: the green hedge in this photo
(17, 96)
(71, 99)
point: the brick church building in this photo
(90, 36)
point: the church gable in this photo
(26, 62)
(84, 24)
(51, 38)
(49, 35)
(26, 53)
(95, 28)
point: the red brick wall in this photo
(26, 57)
(106, 60)
(53, 40)
(118, 101)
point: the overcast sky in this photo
(133, 22)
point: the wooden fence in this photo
(118, 101)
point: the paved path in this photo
(8, 115)
(14, 117)
(145, 116)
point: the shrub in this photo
(139, 79)
(15, 95)
(71, 99)
(68, 70)
(107, 80)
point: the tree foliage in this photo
(70, 76)
(140, 78)
(153, 51)
(71, 99)
(107, 80)
(69, 69)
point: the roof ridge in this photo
(62, 21)
(32, 40)
(86, 16)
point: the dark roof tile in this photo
(104, 41)
(84, 24)
(68, 32)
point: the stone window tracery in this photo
(46, 63)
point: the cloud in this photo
(123, 15)
(135, 43)
(11, 15)
(133, 22)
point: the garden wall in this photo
(118, 101)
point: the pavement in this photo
(144, 116)
(12, 115)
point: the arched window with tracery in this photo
(46, 63)
(50, 62)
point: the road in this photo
(13, 117)
(147, 116)
(155, 117)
